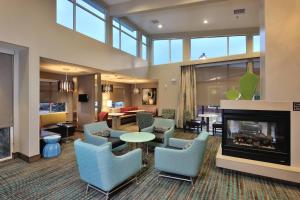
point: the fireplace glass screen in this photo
(252, 134)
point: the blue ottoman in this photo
(52, 147)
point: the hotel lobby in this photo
(135, 99)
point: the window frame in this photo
(146, 45)
(120, 22)
(74, 28)
(169, 50)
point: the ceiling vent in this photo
(239, 11)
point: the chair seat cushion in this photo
(115, 142)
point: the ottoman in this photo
(52, 147)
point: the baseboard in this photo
(26, 158)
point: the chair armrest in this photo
(95, 140)
(116, 134)
(148, 129)
(128, 164)
(179, 143)
(167, 135)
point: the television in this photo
(83, 98)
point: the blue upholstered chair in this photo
(114, 138)
(102, 170)
(161, 122)
(185, 160)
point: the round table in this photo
(52, 147)
(138, 137)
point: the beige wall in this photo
(137, 98)
(31, 24)
(281, 60)
(86, 110)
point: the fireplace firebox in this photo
(257, 135)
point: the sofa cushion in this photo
(115, 142)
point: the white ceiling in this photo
(189, 17)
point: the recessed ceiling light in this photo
(159, 25)
(205, 21)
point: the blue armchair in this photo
(161, 122)
(185, 160)
(102, 170)
(114, 138)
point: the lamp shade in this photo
(109, 103)
(65, 86)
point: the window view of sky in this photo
(256, 43)
(64, 14)
(212, 47)
(237, 45)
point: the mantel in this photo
(256, 105)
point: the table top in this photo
(135, 111)
(115, 114)
(208, 115)
(137, 137)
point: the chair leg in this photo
(87, 189)
(192, 182)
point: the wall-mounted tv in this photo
(83, 98)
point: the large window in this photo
(64, 13)
(89, 17)
(144, 47)
(167, 51)
(213, 47)
(124, 37)
(256, 43)
(237, 45)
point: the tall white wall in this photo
(32, 24)
(280, 52)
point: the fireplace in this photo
(257, 135)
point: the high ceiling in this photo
(58, 67)
(188, 15)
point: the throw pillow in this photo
(104, 133)
(187, 145)
(160, 129)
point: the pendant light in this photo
(65, 85)
(136, 90)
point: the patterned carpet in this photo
(58, 179)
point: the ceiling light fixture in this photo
(159, 26)
(205, 21)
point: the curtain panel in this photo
(187, 95)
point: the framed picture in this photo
(149, 96)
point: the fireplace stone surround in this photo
(287, 172)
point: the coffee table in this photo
(137, 137)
